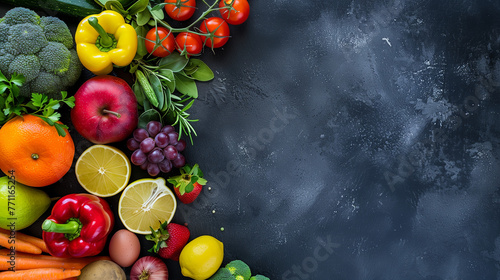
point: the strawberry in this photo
(169, 240)
(189, 197)
(188, 185)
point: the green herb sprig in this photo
(12, 104)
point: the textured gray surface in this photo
(353, 140)
(366, 136)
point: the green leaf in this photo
(169, 74)
(60, 129)
(157, 12)
(3, 78)
(202, 72)
(137, 7)
(3, 88)
(139, 93)
(158, 89)
(115, 6)
(55, 117)
(70, 102)
(53, 104)
(186, 86)
(143, 17)
(141, 42)
(147, 116)
(168, 100)
(38, 99)
(174, 62)
(49, 121)
(17, 79)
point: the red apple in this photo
(105, 110)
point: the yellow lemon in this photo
(201, 257)
(103, 170)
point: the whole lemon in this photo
(201, 257)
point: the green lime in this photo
(20, 205)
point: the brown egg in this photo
(124, 248)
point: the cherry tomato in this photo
(189, 42)
(217, 32)
(167, 44)
(180, 10)
(234, 11)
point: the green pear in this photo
(20, 205)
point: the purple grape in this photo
(156, 155)
(144, 166)
(138, 157)
(140, 134)
(153, 127)
(170, 152)
(167, 129)
(153, 169)
(179, 161)
(161, 140)
(147, 145)
(173, 138)
(165, 166)
(181, 145)
(132, 144)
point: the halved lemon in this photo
(145, 204)
(103, 170)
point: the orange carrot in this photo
(29, 261)
(40, 274)
(38, 242)
(21, 246)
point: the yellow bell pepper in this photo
(104, 40)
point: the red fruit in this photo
(191, 196)
(187, 185)
(169, 240)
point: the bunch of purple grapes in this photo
(156, 148)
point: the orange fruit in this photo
(33, 151)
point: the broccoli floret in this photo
(20, 15)
(259, 277)
(41, 49)
(56, 58)
(75, 69)
(5, 61)
(46, 83)
(56, 30)
(222, 274)
(4, 32)
(27, 65)
(25, 38)
(239, 269)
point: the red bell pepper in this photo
(78, 226)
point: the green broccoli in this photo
(239, 269)
(57, 31)
(56, 58)
(28, 64)
(222, 274)
(39, 48)
(20, 15)
(259, 277)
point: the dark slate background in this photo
(351, 140)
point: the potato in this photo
(102, 269)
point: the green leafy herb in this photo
(40, 105)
